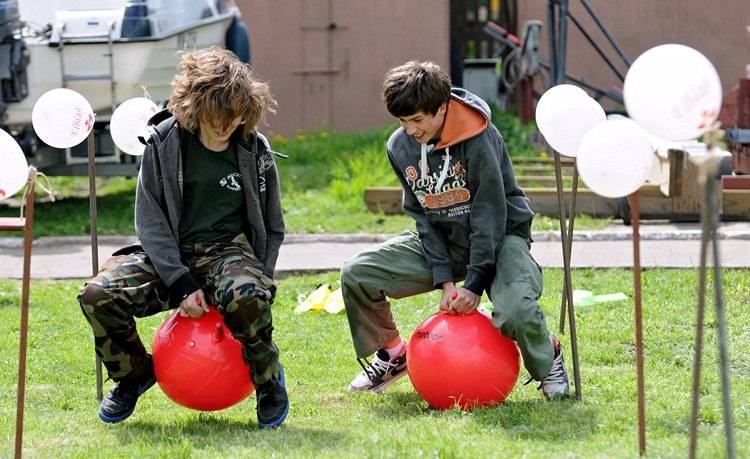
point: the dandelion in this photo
(280, 139)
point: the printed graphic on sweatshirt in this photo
(453, 189)
(231, 182)
(265, 162)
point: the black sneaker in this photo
(272, 402)
(121, 399)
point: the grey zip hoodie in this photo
(158, 204)
(464, 193)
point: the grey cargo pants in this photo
(397, 269)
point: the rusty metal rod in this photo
(635, 212)
(25, 287)
(94, 241)
(567, 284)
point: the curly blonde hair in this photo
(215, 84)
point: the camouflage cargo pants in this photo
(128, 286)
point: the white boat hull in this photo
(136, 66)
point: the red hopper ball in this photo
(198, 363)
(461, 360)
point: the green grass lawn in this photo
(326, 421)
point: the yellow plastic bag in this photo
(335, 302)
(316, 300)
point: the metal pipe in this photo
(635, 212)
(606, 33)
(596, 47)
(25, 287)
(713, 208)
(94, 241)
(568, 283)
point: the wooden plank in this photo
(654, 205)
(736, 204)
(528, 170)
(544, 202)
(386, 199)
(525, 180)
(565, 161)
(735, 182)
(12, 223)
(740, 158)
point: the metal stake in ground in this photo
(634, 204)
(94, 241)
(26, 224)
(709, 220)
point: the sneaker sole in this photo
(117, 419)
(384, 386)
(278, 422)
(124, 416)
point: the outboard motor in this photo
(14, 57)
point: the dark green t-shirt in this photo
(212, 190)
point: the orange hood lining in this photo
(462, 122)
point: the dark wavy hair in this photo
(215, 84)
(415, 87)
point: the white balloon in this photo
(615, 158)
(673, 91)
(564, 114)
(129, 122)
(62, 118)
(14, 170)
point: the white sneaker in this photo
(380, 373)
(557, 382)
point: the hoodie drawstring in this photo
(444, 171)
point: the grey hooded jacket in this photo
(158, 204)
(464, 193)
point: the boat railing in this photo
(136, 22)
(109, 75)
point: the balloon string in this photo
(145, 92)
(47, 187)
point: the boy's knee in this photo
(91, 296)
(239, 294)
(349, 270)
(515, 313)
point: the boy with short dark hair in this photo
(473, 223)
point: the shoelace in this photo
(556, 374)
(377, 368)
